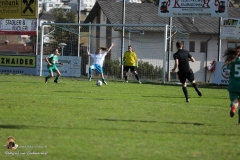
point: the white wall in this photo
(85, 4)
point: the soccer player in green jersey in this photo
(130, 62)
(232, 62)
(52, 61)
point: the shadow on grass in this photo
(145, 121)
(163, 96)
(128, 120)
(14, 126)
(191, 123)
(6, 81)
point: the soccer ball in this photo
(99, 83)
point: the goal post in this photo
(149, 41)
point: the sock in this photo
(103, 79)
(56, 79)
(90, 72)
(136, 75)
(233, 103)
(47, 77)
(125, 77)
(195, 86)
(184, 89)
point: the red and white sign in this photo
(192, 8)
(18, 26)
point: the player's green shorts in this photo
(234, 95)
(52, 68)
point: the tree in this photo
(156, 2)
(63, 16)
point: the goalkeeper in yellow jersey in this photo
(130, 62)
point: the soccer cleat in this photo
(105, 82)
(139, 82)
(187, 100)
(45, 79)
(199, 92)
(233, 110)
(90, 78)
(55, 81)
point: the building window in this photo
(203, 47)
(191, 46)
(231, 45)
(50, 5)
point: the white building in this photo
(130, 1)
(202, 39)
(85, 4)
(48, 5)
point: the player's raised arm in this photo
(88, 53)
(110, 47)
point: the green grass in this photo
(75, 119)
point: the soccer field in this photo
(76, 119)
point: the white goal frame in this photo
(165, 26)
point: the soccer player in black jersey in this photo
(182, 58)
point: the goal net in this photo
(148, 41)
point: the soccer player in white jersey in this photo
(98, 59)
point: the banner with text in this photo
(193, 8)
(18, 26)
(71, 67)
(18, 64)
(230, 28)
(30, 65)
(18, 8)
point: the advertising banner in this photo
(193, 8)
(219, 75)
(30, 65)
(71, 67)
(18, 26)
(18, 8)
(230, 28)
(18, 64)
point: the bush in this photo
(145, 70)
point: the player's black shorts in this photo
(186, 75)
(132, 68)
